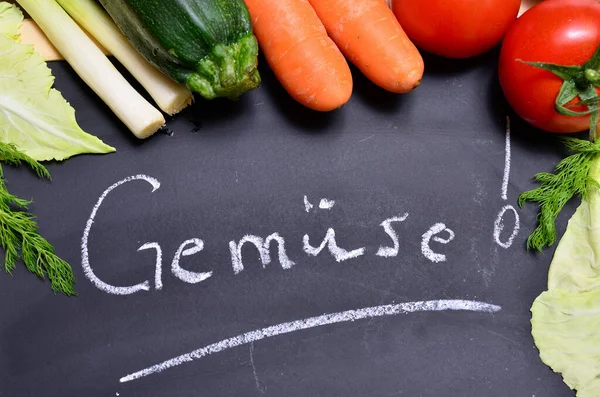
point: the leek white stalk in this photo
(168, 94)
(94, 68)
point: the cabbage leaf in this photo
(34, 116)
(11, 18)
(566, 318)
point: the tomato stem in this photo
(579, 82)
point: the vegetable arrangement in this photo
(549, 70)
(211, 47)
(37, 124)
(94, 68)
(176, 49)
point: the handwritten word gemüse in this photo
(438, 233)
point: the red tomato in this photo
(456, 28)
(565, 32)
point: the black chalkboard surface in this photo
(361, 317)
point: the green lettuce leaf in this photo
(11, 18)
(34, 116)
(575, 266)
(565, 319)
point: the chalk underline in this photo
(312, 322)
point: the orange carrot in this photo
(369, 35)
(303, 57)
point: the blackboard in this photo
(255, 167)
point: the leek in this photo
(94, 68)
(169, 95)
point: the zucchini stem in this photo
(228, 71)
(94, 68)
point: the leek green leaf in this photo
(34, 116)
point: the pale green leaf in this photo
(566, 330)
(11, 19)
(34, 116)
(565, 319)
(576, 263)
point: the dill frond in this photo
(19, 236)
(571, 178)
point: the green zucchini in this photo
(206, 44)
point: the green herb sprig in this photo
(572, 178)
(19, 236)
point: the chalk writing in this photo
(388, 252)
(307, 205)
(499, 227)
(338, 253)
(326, 204)
(499, 223)
(158, 266)
(431, 234)
(438, 233)
(85, 260)
(507, 153)
(186, 275)
(263, 250)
